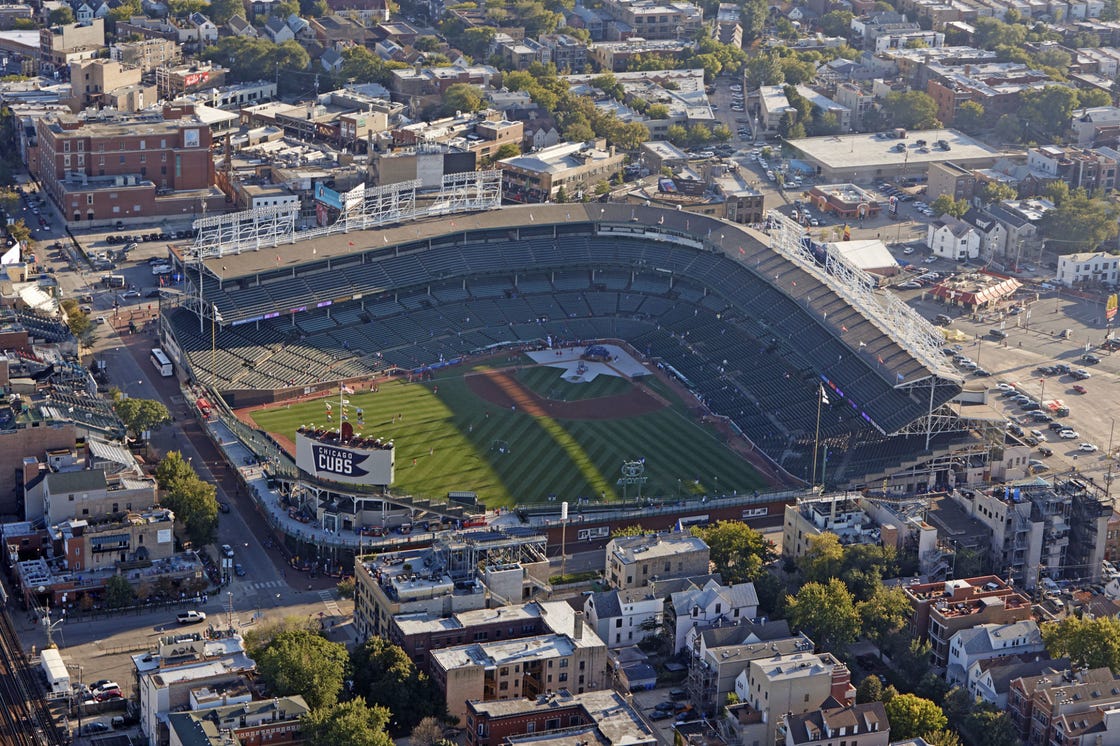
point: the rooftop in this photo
(875, 149)
(493, 654)
(630, 549)
(617, 723)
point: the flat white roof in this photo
(870, 150)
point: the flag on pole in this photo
(824, 396)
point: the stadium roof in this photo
(845, 346)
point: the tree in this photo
(1047, 111)
(752, 18)
(865, 566)
(353, 723)
(946, 205)
(172, 469)
(1080, 223)
(1053, 57)
(256, 58)
(657, 111)
(118, 592)
(363, 66)
(912, 716)
(60, 16)
(1093, 643)
(462, 97)
(826, 612)
(20, 232)
(222, 10)
(384, 675)
(996, 191)
(943, 737)
(738, 552)
(823, 558)
(988, 726)
(869, 690)
(141, 415)
(428, 732)
(1093, 97)
(886, 612)
(195, 503)
(970, 117)
(313, 8)
(345, 588)
(302, 662)
(721, 133)
(911, 109)
(837, 23)
(676, 134)
(763, 69)
(1111, 10)
(77, 320)
(507, 150)
(990, 33)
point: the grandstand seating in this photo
(750, 339)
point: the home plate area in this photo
(584, 364)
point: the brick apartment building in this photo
(605, 716)
(945, 608)
(123, 168)
(61, 45)
(1035, 703)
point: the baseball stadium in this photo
(523, 353)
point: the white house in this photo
(954, 239)
(710, 606)
(199, 29)
(1086, 122)
(990, 680)
(1087, 267)
(626, 617)
(985, 641)
(278, 30)
(993, 236)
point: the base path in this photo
(501, 389)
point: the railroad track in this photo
(24, 717)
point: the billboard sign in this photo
(342, 463)
(328, 197)
(1110, 308)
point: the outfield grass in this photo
(547, 382)
(447, 441)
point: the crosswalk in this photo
(329, 602)
(266, 584)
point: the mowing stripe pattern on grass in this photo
(448, 439)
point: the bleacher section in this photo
(750, 351)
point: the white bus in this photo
(162, 363)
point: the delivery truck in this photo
(58, 678)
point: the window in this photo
(530, 727)
(563, 677)
(618, 622)
(503, 671)
(89, 199)
(563, 663)
(503, 686)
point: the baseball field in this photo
(521, 434)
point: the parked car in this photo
(108, 694)
(239, 570)
(1090, 359)
(1069, 435)
(1087, 448)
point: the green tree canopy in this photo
(991, 33)
(996, 191)
(738, 552)
(946, 205)
(823, 558)
(753, 17)
(1093, 97)
(118, 592)
(353, 723)
(1047, 111)
(221, 11)
(837, 23)
(1080, 223)
(140, 415)
(827, 613)
(869, 690)
(256, 58)
(384, 675)
(1093, 643)
(193, 501)
(60, 16)
(886, 612)
(302, 662)
(462, 97)
(911, 109)
(912, 716)
(970, 118)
